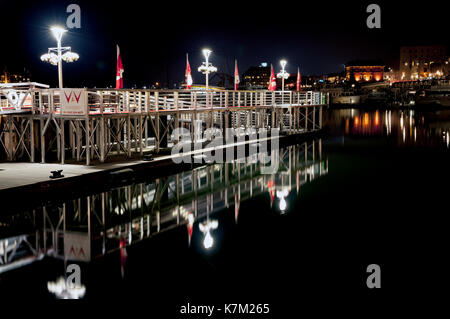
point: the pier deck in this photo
(86, 124)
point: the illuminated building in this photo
(335, 77)
(256, 77)
(7, 77)
(418, 62)
(364, 71)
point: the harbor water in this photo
(371, 188)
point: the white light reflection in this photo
(390, 122)
(283, 204)
(206, 228)
(62, 290)
(282, 196)
(209, 241)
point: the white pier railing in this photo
(94, 123)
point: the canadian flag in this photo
(299, 80)
(188, 75)
(236, 75)
(119, 73)
(272, 81)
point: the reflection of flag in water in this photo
(123, 255)
(236, 207)
(272, 80)
(271, 187)
(188, 75)
(190, 226)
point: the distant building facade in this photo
(256, 77)
(360, 70)
(417, 62)
(7, 77)
(335, 78)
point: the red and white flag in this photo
(299, 80)
(187, 74)
(272, 81)
(236, 75)
(119, 72)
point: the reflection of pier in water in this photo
(85, 228)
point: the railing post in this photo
(127, 104)
(290, 111)
(211, 99)
(147, 98)
(156, 101)
(102, 130)
(195, 100)
(226, 98)
(175, 100)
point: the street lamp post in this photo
(283, 74)
(206, 67)
(62, 53)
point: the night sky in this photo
(154, 37)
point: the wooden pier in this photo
(95, 124)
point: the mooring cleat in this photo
(56, 174)
(148, 157)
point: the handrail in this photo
(113, 101)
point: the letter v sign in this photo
(76, 97)
(68, 97)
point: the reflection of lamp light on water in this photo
(282, 196)
(208, 241)
(63, 290)
(283, 204)
(206, 228)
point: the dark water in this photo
(372, 190)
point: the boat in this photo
(341, 97)
(435, 96)
(376, 97)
